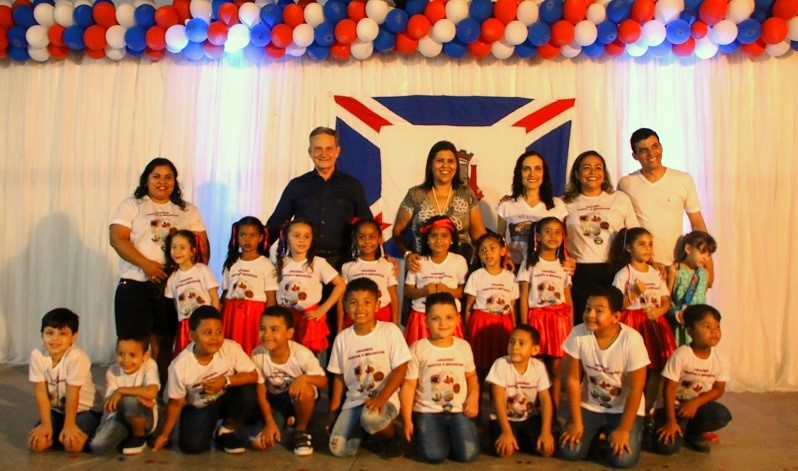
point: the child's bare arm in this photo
(506, 444)
(406, 398)
(619, 438)
(391, 383)
(545, 442)
(414, 292)
(336, 400)
(689, 408)
(71, 436)
(270, 433)
(469, 307)
(574, 429)
(41, 436)
(523, 302)
(173, 408)
(670, 430)
(471, 406)
(214, 295)
(393, 293)
(145, 392)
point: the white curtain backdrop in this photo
(77, 133)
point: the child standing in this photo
(369, 361)
(518, 381)
(302, 276)
(689, 279)
(191, 284)
(249, 282)
(490, 292)
(211, 379)
(69, 409)
(131, 386)
(546, 295)
(695, 378)
(442, 271)
(440, 395)
(613, 358)
(369, 263)
(289, 378)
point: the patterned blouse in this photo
(417, 202)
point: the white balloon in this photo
(444, 30)
(43, 14)
(666, 11)
(653, 33)
(36, 36)
(739, 10)
(377, 10)
(6, 3)
(39, 54)
(778, 50)
(176, 39)
(361, 49)
(115, 54)
(249, 14)
(528, 12)
(585, 33)
(792, 29)
(115, 37)
(201, 9)
(82, 2)
(596, 13)
(138, 3)
(367, 30)
(314, 14)
(637, 49)
(705, 48)
(303, 35)
(125, 15)
(570, 50)
(515, 33)
(724, 32)
(320, 2)
(261, 3)
(237, 38)
(295, 50)
(501, 50)
(62, 14)
(428, 47)
(456, 10)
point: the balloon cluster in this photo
(196, 29)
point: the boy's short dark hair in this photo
(533, 332)
(440, 298)
(143, 341)
(282, 312)
(613, 295)
(362, 284)
(697, 312)
(61, 317)
(201, 313)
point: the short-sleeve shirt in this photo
(190, 289)
(521, 218)
(695, 376)
(492, 293)
(547, 283)
(451, 272)
(366, 360)
(655, 287)
(521, 389)
(300, 287)
(417, 203)
(149, 225)
(441, 374)
(279, 376)
(592, 223)
(186, 374)
(74, 369)
(116, 378)
(605, 384)
(250, 279)
(379, 271)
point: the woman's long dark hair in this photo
(141, 191)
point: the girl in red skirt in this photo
(249, 282)
(545, 290)
(491, 293)
(646, 301)
(301, 277)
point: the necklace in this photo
(445, 206)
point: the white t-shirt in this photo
(441, 374)
(190, 289)
(279, 376)
(606, 382)
(593, 221)
(379, 271)
(74, 369)
(300, 287)
(250, 279)
(694, 375)
(146, 375)
(520, 218)
(451, 272)
(521, 389)
(149, 225)
(660, 207)
(366, 360)
(492, 293)
(186, 374)
(655, 287)
(547, 282)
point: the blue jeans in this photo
(526, 432)
(238, 405)
(116, 426)
(709, 417)
(86, 421)
(594, 423)
(353, 423)
(440, 435)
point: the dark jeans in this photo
(238, 404)
(709, 417)
(593, 423)
(441, 435)
(586, 277)
(87, 421)
(526, 432)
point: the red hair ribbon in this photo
(446, 223)
(355, 220)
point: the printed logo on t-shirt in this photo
(603, 388)
(368, 377)
(160, 229)
(279, 380)
(57, 393)
(497, 304)
(292, 294)
(593, 225)
(197, 395)
(519, 231)
(444, 388)
(189, 300)
(548, 294)
(241, 291)
(519, 406)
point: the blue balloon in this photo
(197, 30)
(51, 2)
(396, 21)
(134, 38)
(271, 14)
(23, 16)
(525, 50)
(16, 37)
(385, 40)
(677, 31)
(19, 54)
(794, 45)
(317, 51)
(455, 49)
(763, 4)
(748, 31)
(618, 10)
(83, 16)
(284, 3)
(759, 15)
(550, 11)
(660, 50)
(480, 10)
(324, 35)
(254, 54)
(73, 37)
(538, 33)
(468, 30)
(689, 15)
(730, 48)
(95, 2)
(415, 7)
(260, 35)
(132, 52)
(593, 50)
(334, 11)
(145, 15)
(194, 51)
(215, 4)
(607, 32)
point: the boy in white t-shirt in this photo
(131, 387)
(289, 377)
(68, 405)
(369, 361)
(614, 359)
(695, 378)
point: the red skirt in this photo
(488, 335)
(311, 333)
(416, 328)
(241, 322)
(182, 339)
(554, 324)
(383, 314)
(657, 335)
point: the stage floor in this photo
(763, 435)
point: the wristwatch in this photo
(408, 252)
(227, 382)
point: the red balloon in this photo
(302, 3)
(96, 54)
(615, 48)
(182, 9)
(562, 33)
(3, 38)
(505, 10)
(156, 38)
(155, 54)
(340, 51)
(228, 13)
(217, 33)
(94, 37)
(573, 11)
(774, 30)
(3, 53)
(273, 51)
(492, 30)
(435, 11)
(405, 44)
(629, 31)
(282, 36)
(212, 51)
(712, 11)
(356, 10)
(418, 26)
(293, 15)
(785, 9)
(643, 10)
(57, 52)
(684, 49)
(104, 14)
(56, 35)
(753, 50)
(19, 3)
(6, 20)
(479, 48)
(346, 31)
(548, 51)
(166, 16)
(699, 30)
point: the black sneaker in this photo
(303, 444)
(134, 445)
(392, 447)
(697, 443)
(230, 443)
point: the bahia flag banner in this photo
(385, 142)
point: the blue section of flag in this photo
(553, 146)
(361, 159)
(451, 110)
